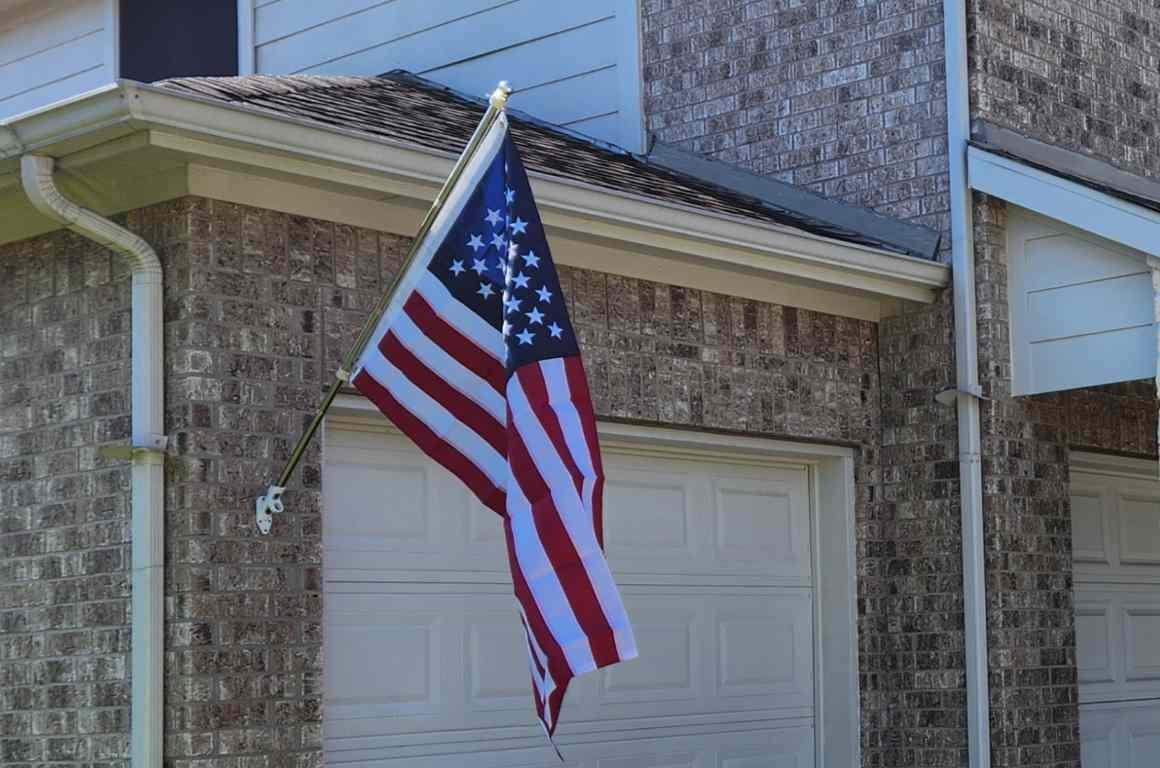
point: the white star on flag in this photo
(475, 243)
(531, 259)
(535, 316)
(479, 265)
(492, 217)
(521, 280)
(457, 267)
(519, 226)
(555, 330)
(485, 290)
(525, 336)
(545, 294)
(499, 241)
(509, 195)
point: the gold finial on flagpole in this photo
(500, 95)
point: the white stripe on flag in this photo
(438, 419)
(544, 583)
(449, 369)
(576, 518)
(463, 319)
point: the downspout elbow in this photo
(36, 174)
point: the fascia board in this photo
(1064, 200)
(333, 156)
(590, 210)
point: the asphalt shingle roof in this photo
(405, 108)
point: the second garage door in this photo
(1115, 508)
(425, 665)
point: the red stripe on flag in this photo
(431, 444)
(561, 551)
(457, 403)
(463, 349)
(536, 390)
(557, 661)
(578, 386)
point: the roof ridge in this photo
(245, 87)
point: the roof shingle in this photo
(402, 107)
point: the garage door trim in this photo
(831, 488)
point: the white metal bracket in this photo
(267, 506)
(153, 443)
(950, 394)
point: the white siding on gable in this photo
(51, 51)
(575, 64)
(1081, 307)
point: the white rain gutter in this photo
(148, 443)
(968, 390)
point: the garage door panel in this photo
(1089, 524)
(670, 635)
(747, 744)
(1139, 522)
(497, 670)
(660, 528)
(1099, 734)
(1094, 631)
(407, 676)
(752, 522)
(762, 526)
(1141, 641)
(765, 649)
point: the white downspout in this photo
(967, 400)
(147, 474)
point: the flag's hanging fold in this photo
(475, 359)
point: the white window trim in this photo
(831, 472)
(630, 63)
(112, 19)
(245, 37)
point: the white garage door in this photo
(425, 663)
(1115, 508)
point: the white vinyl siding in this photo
(1115, 509)
(1081, 307)
(51, 51)
(573, 64)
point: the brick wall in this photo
(847, 99)
(259, 308)
(64, 511)
(1080, 75)
(1027, 524)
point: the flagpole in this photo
(271, 501)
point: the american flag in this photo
(475, 359)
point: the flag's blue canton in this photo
(496, 261)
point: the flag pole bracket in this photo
(267, 506)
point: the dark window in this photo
(178, 38)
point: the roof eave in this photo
(198, 125)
